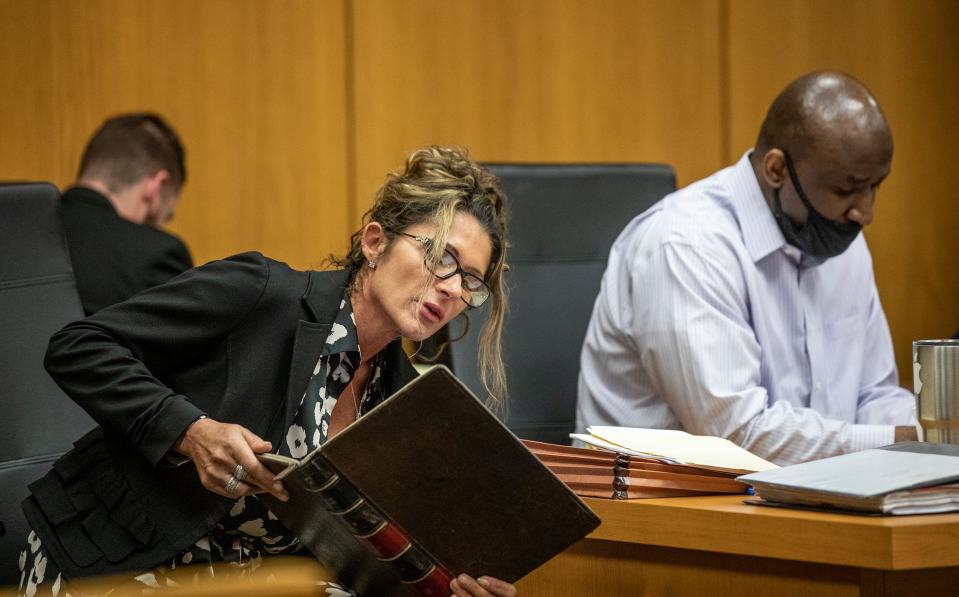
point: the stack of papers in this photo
(925, 500)
(610, 474)
(676, 447)
(877, 481)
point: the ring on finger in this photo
(231, 484)
(239, 472)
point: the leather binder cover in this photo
(330, 541)
(436, 462)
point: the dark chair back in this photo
(564, 219)
(37, 297)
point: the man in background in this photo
(744, 305)
(130, 178)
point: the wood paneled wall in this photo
(292, 111)
(255, 89)
(528, 80)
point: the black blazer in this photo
(235, 339)
(113, 258)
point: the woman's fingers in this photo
(256, 473)
(257, 444)
(465, 585)
(497, 587)
(217, 448)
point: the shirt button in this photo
(818, 387)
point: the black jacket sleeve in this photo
(112, 363)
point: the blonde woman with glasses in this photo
(244, 356)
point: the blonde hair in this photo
(436, 184)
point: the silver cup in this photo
(935, 366)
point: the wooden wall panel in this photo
(293, 110)
(526, 80)
(908, 54)
(256, 90)
(26, 91)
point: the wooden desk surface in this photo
(713, 545)
(724, 524)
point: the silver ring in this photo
(239, 472)
(231, 484)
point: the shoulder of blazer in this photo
(315, 294)
(324, 291)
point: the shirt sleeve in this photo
(698, 347)
(113, 363)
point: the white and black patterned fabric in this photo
(334, 369)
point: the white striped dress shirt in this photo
(708, 321)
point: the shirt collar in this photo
(90, 196)
(753, 213)
(342, 336)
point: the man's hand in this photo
(217, 448)
(484, 586)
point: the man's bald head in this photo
(823, 108)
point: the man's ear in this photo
(152, 190)
(373, 241)
(774, 168)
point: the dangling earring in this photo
(372, 264)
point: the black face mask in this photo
(820, 237)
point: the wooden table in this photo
(284, 576)
(709, 546)
(717, 545)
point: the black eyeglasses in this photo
(475, 291)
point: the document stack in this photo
(676, 447)
(628, 463)
(618, 475)
(911, 478)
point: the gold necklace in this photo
(356, 403)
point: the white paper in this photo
(863, 474)
(696, 450)
(605, 445)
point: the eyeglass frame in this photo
(426, 242)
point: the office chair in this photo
(564, 219)
(37, 297)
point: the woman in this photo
(245, 355)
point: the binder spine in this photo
(621, 477)
(371, 527)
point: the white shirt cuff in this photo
(863, 437)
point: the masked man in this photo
(744, 305)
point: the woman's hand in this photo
(217, 448)
(484, 586)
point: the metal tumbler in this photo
(936, 379)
